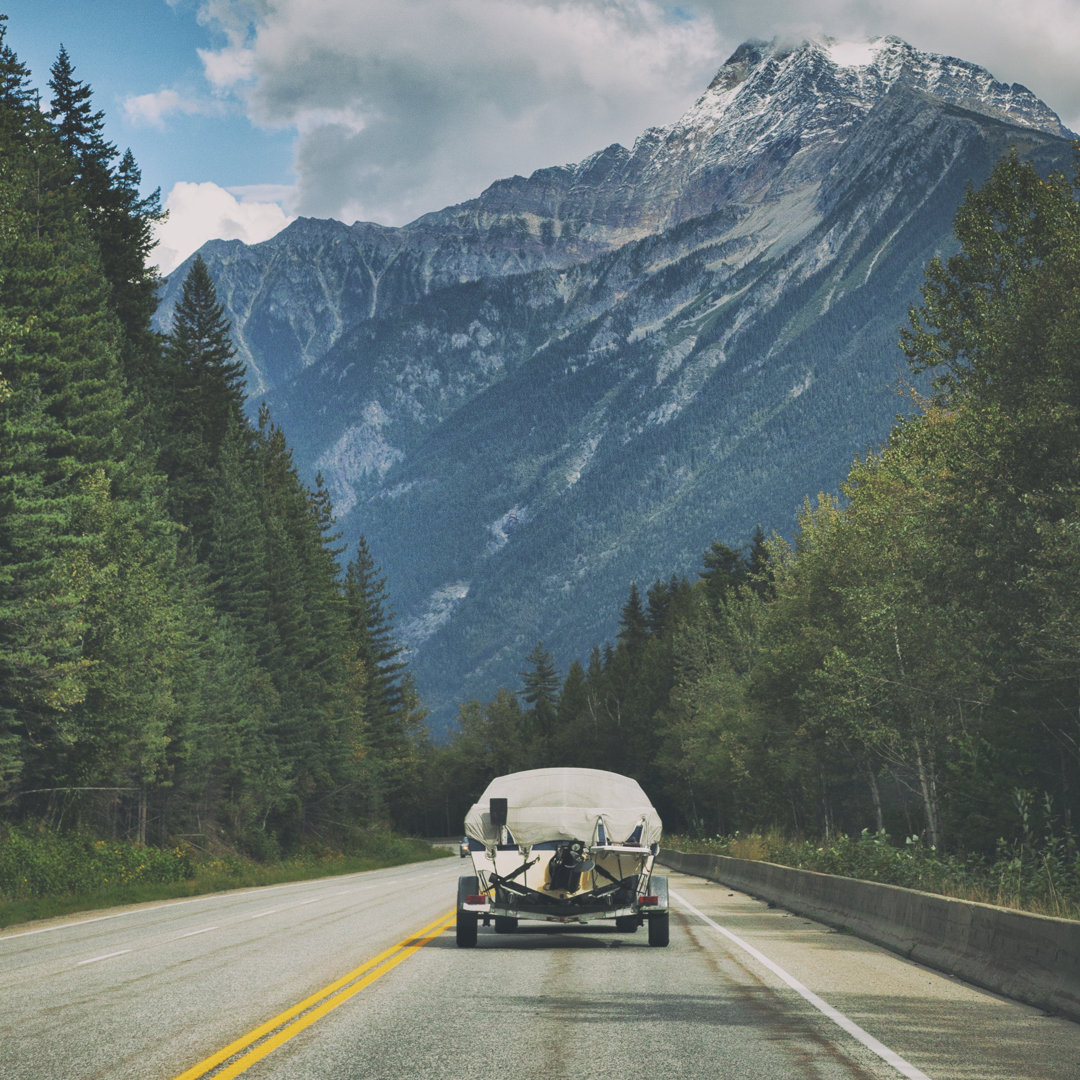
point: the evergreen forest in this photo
(184, 654)
(908, 662)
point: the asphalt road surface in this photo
(359, 977)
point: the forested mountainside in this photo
(907, 664)
(181, 653)
(585, 377)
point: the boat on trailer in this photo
(562, 845)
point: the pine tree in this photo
(540, 678)
(574, 741)
(121, 219)
(207, 401)
(541, 693)
(633, 626)
(758, 563)
(132, 599)
(18, 100)
(371, 642)
(126, 239)
(235, 556)
(303, 606)
(80, 130)
(725, 570)
(371, 633)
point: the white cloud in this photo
(201, 212)
(227, 67)
(153, 108)
(405, 106)
(400, 107)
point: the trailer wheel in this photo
(658, 929)
(465, 931)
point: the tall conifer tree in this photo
(206, 401)
(371, 642)
(121, 218)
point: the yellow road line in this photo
(306, 1012)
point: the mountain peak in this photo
(778, 77)
(739, 65)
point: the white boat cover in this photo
(566, 804)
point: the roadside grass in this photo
(45, 874)
(1043, 879)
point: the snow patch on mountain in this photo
(581, 457)
(853, 53)
(671, 359)
(441, 605)
(359, 453)
(800, 388)
(501, 529)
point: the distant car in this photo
(463, 847)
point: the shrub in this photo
(44, 872)
(1032, 875)
(36, 863)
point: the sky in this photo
(249, 113)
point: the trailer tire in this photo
(465, 931)
(659, 929)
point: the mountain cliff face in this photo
(584, 377)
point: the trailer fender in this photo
(658, 887)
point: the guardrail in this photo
(1031, 958)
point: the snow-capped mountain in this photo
(583, 377)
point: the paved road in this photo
(359, 977)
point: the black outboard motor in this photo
(567, 865)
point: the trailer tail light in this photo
(480, 899)
(650, 901)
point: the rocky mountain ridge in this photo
(767, 106)
(583, 377)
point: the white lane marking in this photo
(63, 926)
(903, 1067)
(105, 956)
(157, 906)
(313, 900)
(195, 933)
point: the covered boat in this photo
(563, 845)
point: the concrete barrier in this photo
(1031, 958)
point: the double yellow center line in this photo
(266, 1038)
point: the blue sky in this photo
(127, 48)
(247, 113)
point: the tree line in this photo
(181, 651)
(909, 660)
